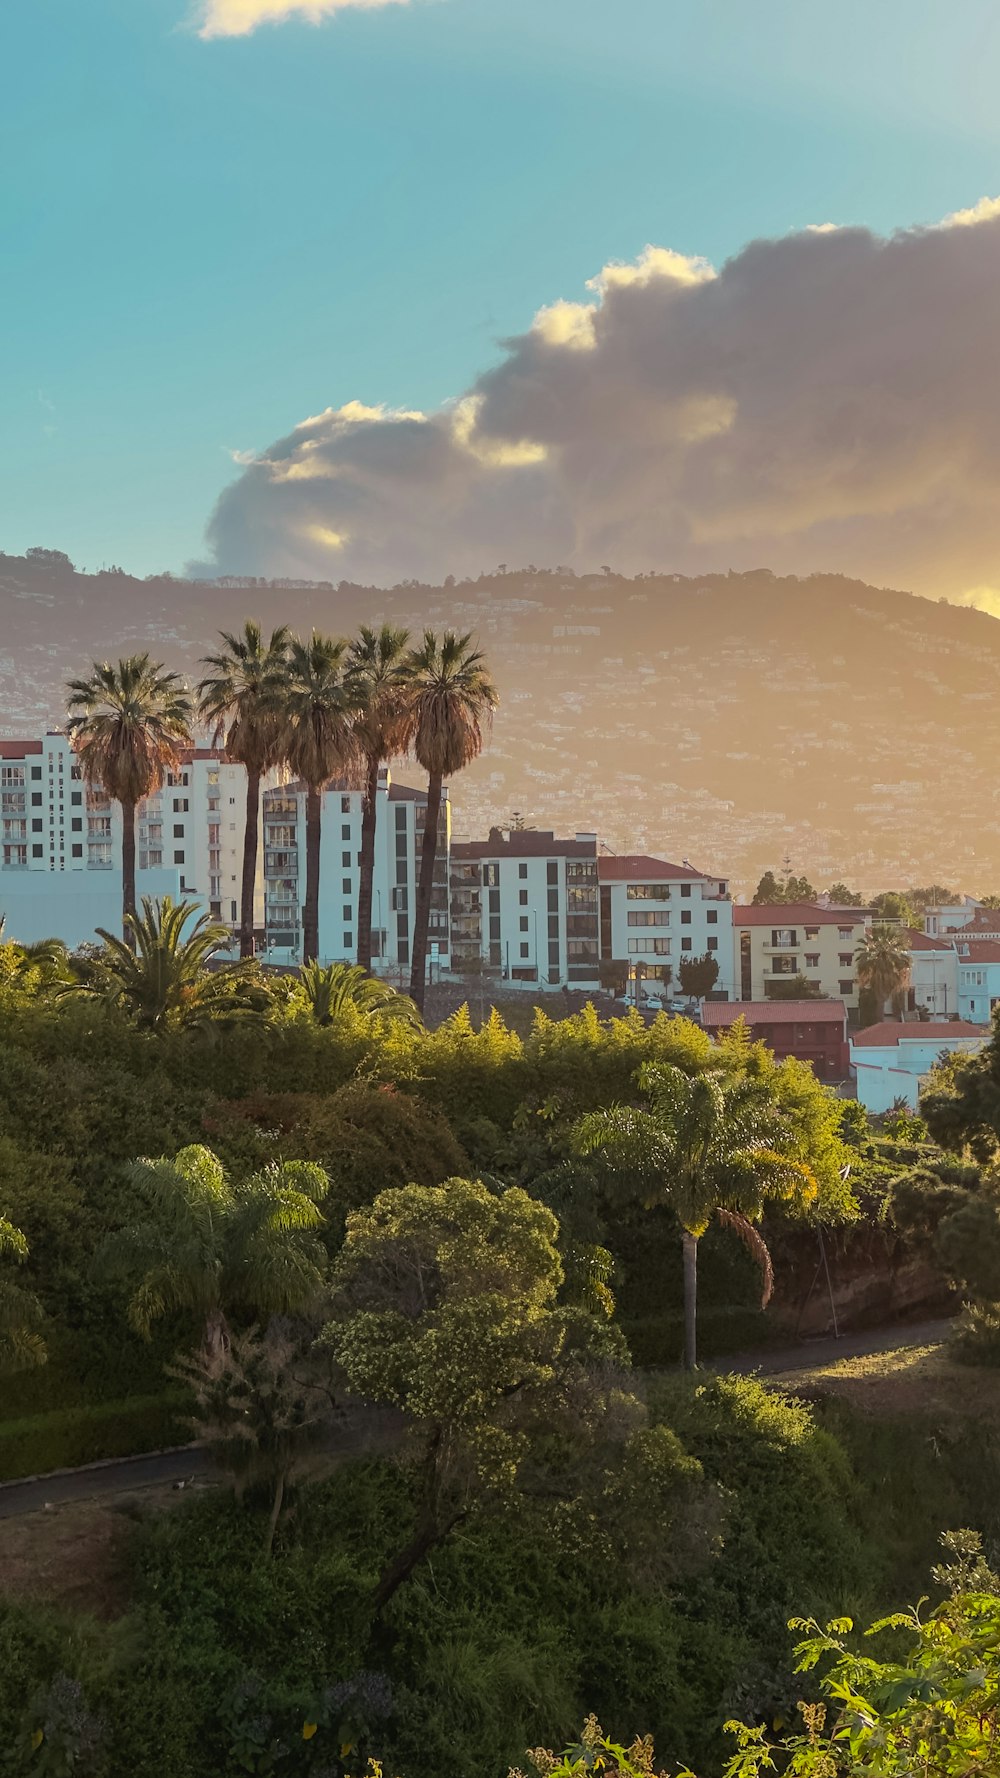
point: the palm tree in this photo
(204, 1246)
(379, 668)
(128, 725)
(330, 991)
(707, 1145)
(21, 1314)
(453, 701)
(883, 963)
(318, 704)
(158, 974)
(237, 700)
(48, 955)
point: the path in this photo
(818, 1353)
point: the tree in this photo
(882, 960)
(379, 670)
(793, 987)
(892, 906)
(21, 1316)
(318, 705)
(203, 1245)
(453, 701)
(128, 726)
(707, 1146)
(255, 1414)
(934, 896)
(775, 890)
(330, 991)
(842, 897)
(157, 976)
(239, 700)
(698, 975)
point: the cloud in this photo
(238, 18)
(827, 400)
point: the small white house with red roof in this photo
(933, 974)
(893, 1058)
(654, 914)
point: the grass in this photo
(906, 1380)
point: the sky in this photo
(227, 219)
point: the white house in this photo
(891, 1059)
(934, 975)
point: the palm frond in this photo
(755, 1245)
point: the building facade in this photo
(892, 1059)
(654, 914)
(775, 943)
(524, 905)
(933, 975)
(813, 1031)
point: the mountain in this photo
(730, 719)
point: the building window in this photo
(180, 805)
(845, 931)
(647, 892)
(812, 959)
(522, 870)
(348, 913)
(522, 897)
(345, 809)
(78, 851)
(348, 941)
(37, 851)
(346, 885)
(847, 987)
(713, 944)
(653, 917)
(76, 798)
(783, 938)
(36, 799)
(686, 917)
(491, 875)
(524, 950)
(845, 959)
(712, 917)
(36, 826)
(524, 922)
(346, 860)
(552, 872)
(784, 966)
(345, 832)
(685, 889)
(36, 771)
(178, 858)
(685, 944)
(178, 830)
(812, 931)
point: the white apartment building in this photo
(655, 914)
(525, 905)
(934, 975)
(399, 835)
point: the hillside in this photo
(730, 719)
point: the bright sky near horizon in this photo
(220, 219)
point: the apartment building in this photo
(525, 904)
(654, 914)
(399, 835)
(776, 942)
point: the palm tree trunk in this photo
(250, 843)
(369, 815)
(310, 910)
(272, 1523)
(690, 1301)
(128, 870)
(216, 1338)
(425, 884)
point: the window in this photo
(346, 886)
(178, 858)
(552, 872)
(523, 923)
(712, 917)
(655, 917)
(685, 889)
(685, 944)
(348, 913)
(686, 917)
(345, 832)
(713, 944)
(346, 860)
(524, 950)
(36, 826)
(647, 892)
(36, 771)
(36, 799)
(37, 851)
(491, 875)
(812, 931)
(178, 830)
(181, 805)
(784, 966)
(722, 889)
(522, 870)
(522, 897)
(812, 959)
(552, 900)
(783, 938)
(76, 798)
(345, 809)
(78, 851)
(847, 987)
(400, 898)
(845, 959)
(348, 941)
(845, 931)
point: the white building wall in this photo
(934, 981)
(887, 1075)
(673, 919)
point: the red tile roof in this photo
(774, 1012)
(797, 913)
(638, 868)
(922, 941)
(19, 749)
(891, 1032)
(980, 950)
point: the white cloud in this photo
(829, 399)
(238, 18)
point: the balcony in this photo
(282, 864)
(12, 802)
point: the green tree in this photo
(698, 975)
(128, 725)
(204, 1245)
(158, 977)
(842, 897)
(453, 702)
(934, 896)
(379, 669)
(893, 906)
(239, 699)
(318, 704)
(882, 960)
(776, 890)
(793, 987)
(332, 989)
(707, 1145)
(21, 1316)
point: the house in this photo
(891, 1059)
(776, 941)
(654, 914)
(813, 1031)
(933, 975)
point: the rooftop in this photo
(636, 867)
(19, 749)
(773, 1012)
(523, 842)
(797, 913)
(892, 1032)
(922, 941)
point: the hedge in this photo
(71, 1436)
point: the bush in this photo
(71, 1436)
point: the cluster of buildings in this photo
(522, 907)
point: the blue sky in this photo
(205, 241)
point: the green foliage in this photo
(21, 1316)
(65, 1437)
(329, 990)
(772, 890)
(698, 975)
(158, 977)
